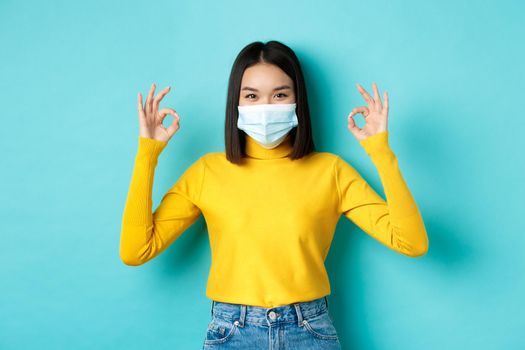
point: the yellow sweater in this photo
(270, 221)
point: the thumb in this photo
(352, 126)
(174, 126)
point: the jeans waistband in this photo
(294, 312)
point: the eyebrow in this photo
(282, 87)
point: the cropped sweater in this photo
(270, 220)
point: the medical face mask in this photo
(268, 124)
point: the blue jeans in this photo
(304, 325)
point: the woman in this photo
(271, 204)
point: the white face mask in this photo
(268, 124)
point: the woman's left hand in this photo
(376, 114)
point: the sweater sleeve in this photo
(144, 234)
(397, 222)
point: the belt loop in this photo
(299, 314)
(326, 302)
(243, 315)
(212, 304)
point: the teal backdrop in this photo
(70, 73)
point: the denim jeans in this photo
(303, 325)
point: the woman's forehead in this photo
(265, 77)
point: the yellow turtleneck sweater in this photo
(271, 220)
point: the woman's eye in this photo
(278, 95)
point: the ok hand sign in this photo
(376, 114)
(150, 118)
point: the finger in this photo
(366, 96)
(352, 126)
(377, 99)
(175, 124)
(159, 97)
(165, 111)
(362, 109)
(351, 122)
(140, 107)
(149, 99)
(385, 97)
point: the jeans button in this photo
(272, 315)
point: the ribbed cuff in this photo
(150, 148)
(376, 144)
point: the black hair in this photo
(276, 53)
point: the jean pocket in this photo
(220, 330)
(321, 326)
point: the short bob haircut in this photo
(276, 53)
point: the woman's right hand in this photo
(150, 118)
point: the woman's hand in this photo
(376, 114)
(150, 119)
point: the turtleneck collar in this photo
(255, 150)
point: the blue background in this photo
(69, 78)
